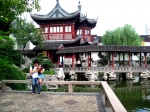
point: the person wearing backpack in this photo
(34, 73)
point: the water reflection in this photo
(134, 94)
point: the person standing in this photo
(34, 73)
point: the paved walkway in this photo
(47, 102)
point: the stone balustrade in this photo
(106, 69)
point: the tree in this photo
(103, 58)
(7, 50)
(11, 9)
(122, 36)
(24, 32)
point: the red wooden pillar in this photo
(145, 63)
(88, 60)
(129, 59)
(58, 61)
(63, 32)
(62, 62)
(73, 58)
(90, 35)
(113, 60)
(73, 32)
(52, 56)
(83, 34)
(48, 32)
(48, 54)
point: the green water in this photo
(133, 94)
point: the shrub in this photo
(49, 72)
(7, 50)
(26, 69)
(9, 72)
(44, 61)
(44, 87)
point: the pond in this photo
(133, 94)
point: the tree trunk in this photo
(22, 54)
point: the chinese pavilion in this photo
(67, 37)
(62, 29)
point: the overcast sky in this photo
(110, 13)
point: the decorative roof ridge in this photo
(86, 43)
(56, 42)
(109, 46)
(123, 45)
(83, 17)
(104, 48)
(57, 9)
(77, 47)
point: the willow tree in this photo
(122, 36)
(125, 35)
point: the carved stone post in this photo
(4, 86)
(70, 88)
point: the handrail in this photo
(109, 94)
(114, 101)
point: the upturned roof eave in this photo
(47, 47)
(53, 11)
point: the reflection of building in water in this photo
(133, 96)
(145, 89)
(144, 83)
(129, 82)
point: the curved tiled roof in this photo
(59, 14)
(92, 21)
(55, 45)
(104, 48)
(48, 46)
(27, 52)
